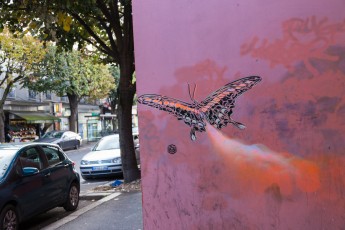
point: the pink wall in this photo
(286, 170)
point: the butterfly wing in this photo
(182, 110)
(218, 106)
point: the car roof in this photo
(57, 131)
(16, 146)
(110, 136)
(135, 130)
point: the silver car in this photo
(65, 139)
(103, 160)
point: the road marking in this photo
(79, 212)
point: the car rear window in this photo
(6, 156)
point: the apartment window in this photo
(64, 99)
(12, 93)
(32, 95)
(48, 95)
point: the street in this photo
(55, 214)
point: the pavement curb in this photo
(81, 211)
(94, 195)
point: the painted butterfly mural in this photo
(216, 109)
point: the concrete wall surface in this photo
(201, 168)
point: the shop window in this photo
(32, 95)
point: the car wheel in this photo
(85, 177)
(77, 145)
(72, 198)
(9, 218)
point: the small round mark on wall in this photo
(172, 149)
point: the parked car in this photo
(104, 159)
(135, 132)
(65, 139)
(34, 178)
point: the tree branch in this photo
(113, 53)
(110, 34)
(112, 16)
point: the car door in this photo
(31, 189)
(60, 174)
(63, 141)
(67, 137)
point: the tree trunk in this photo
(129, 162)
(126, 90)
(73, 105)
(2, 113)
(125, 103)
(2, 124)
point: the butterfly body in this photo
(217, 108)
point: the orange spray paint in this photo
(259, 167)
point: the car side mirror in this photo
(28, 171)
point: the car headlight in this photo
(117, 160)
(84, 162)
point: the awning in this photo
(37, 118)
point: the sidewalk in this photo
(118, 211)
(112, 210)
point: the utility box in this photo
(241, 108)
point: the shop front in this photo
(26, 126)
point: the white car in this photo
(103, 160)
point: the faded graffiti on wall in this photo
(217, 108)
(303, 40)
(286, 170)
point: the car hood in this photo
(102, 154)
(46, 140)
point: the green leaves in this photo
(20, 56)
(72, 72)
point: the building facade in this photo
(29, 114)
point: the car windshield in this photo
(53, 135)
(110, 142)
(6, 157)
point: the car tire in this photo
(9, 218)
(85, 177)
(77, 145)
(72, 201)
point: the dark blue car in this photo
(34, 178)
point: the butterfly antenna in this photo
(194, 90)
(190, 95)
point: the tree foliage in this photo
(72, 74)
(107, 25)
(19, 59)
